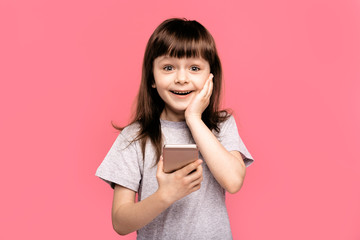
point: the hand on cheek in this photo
(201, 100)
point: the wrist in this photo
(193, 119)
(164, 198)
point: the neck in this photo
(171, 116)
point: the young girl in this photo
(177, 103)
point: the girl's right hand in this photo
(176, 185)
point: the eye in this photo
(195, 68)
(168, 68)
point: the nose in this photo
(181, 77)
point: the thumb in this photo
(160, 167)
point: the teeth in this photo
(181, 93)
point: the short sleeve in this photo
(121, 165)
(229, 137)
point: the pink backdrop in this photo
(292, 76)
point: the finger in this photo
(205, 88)
(198, 171)
(190, 167)
(211, 85)
(196, 182)
(208, 81)
(196, 187)
(207, 85)
(211, 76)
(195, 175)
(160, 167)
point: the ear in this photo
(153, 85)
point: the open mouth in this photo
(181, 92)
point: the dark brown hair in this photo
(178, 38)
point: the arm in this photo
(228, 168)
(129, 216)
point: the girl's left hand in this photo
(201, 100)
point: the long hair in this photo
(178, 38)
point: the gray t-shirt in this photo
(201, 214)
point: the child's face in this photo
(178, 81)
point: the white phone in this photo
(176, 156)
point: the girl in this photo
(177, 103)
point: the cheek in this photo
(162, 81)
(199, 84)
(161, 85)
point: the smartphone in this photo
(176, 156)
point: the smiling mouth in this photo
(181, 92)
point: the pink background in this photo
(292, 76)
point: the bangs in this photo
(184, 39)
(183, 47)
